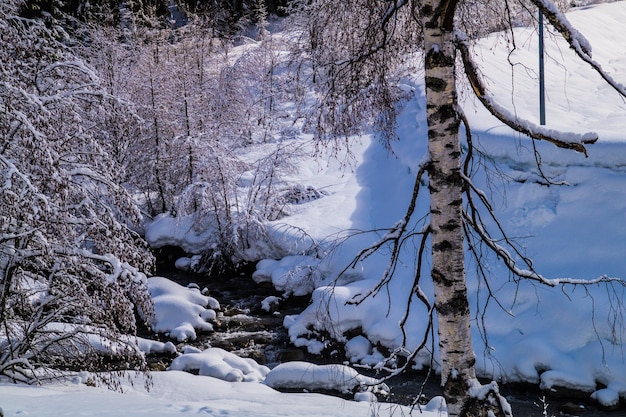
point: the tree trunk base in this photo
(486, 401)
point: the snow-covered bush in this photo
(202, 106)
(71, 262)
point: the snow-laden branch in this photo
(566, 140)
(576, 40)
(119, 268)
(7, 237)
(10, 171)
(83, 171)
(392, 10)
(19, 116)
(77, 65)
(81, 91)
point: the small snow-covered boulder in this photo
(218, 363)
(180, 311)
(305, 375)
(271, 303)
(436, 405)
(365, 396)
(608, 398)
(153, 346)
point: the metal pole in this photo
(542, 85)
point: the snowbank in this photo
(178, 393)
(183, 232)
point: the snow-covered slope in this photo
(564, 336)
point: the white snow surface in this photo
(177, 393)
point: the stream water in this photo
(246, 329)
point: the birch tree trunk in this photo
(464, 395)
(446, 197)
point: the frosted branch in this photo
(396, 236)
(576, 41)
(566, 140)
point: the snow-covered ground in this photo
(177, 393)
(570, 336)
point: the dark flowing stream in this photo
(246, 329)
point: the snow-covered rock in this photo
(308, 376)
(180, 311)
(218, 363)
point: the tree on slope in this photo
(358, 48)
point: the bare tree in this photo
(197, 109)
(356, 49)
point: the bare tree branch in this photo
(575, 141)
(396, 236)
(576, 40)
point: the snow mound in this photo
(305, 375)
(606, 397)
(297, 275)
(153, 346)
(220, 364)
(182, 232)
(180, 311)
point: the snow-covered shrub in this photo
(71, 262)
(224, 216)
(202, 106)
